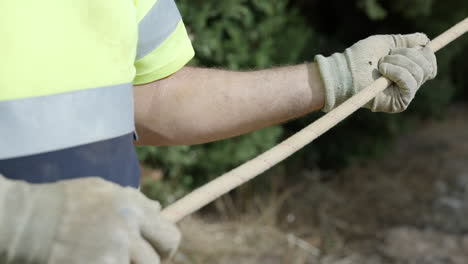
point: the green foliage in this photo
(245, 34)
(367, 134)
(186, 167)
(373, 9)
(237, 34)
(413, 8)
(250, 34)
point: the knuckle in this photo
(153, 204)
(421, 38)
(422, 35)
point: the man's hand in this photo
(86, 220)
(400, 58)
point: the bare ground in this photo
(409, 206)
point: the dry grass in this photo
(251, 237)
(348, 220)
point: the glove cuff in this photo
(337, 79)
(29, 217)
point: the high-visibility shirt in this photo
(67, 70)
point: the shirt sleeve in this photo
(164, 46)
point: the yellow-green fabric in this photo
(68, 68)
(160, 55)
(55, 46)
(168, 58)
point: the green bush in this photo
(368, 134)
(250, 34)
(239, 35)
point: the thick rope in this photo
(230, 180)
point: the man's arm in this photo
(198, 105)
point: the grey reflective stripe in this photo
(42, 124)
(157, 26)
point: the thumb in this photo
(410, 40)
(163, 235)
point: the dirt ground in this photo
(409, 206)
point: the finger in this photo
(410, 40)
(162, 234)
(143, 253)
(414, 69)
(420, 57)
(401, 77)
(392, 98)
(431, 57)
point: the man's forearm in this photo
(198, 105)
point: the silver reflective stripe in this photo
(157, 26)
(42, 124)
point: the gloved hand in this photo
(400, 58)
(86, 220)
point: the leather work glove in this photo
(85, 220)
(400, 58)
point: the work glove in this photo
(403, 59)
(85, 220)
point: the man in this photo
(68, 109)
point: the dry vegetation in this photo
(409, 206)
